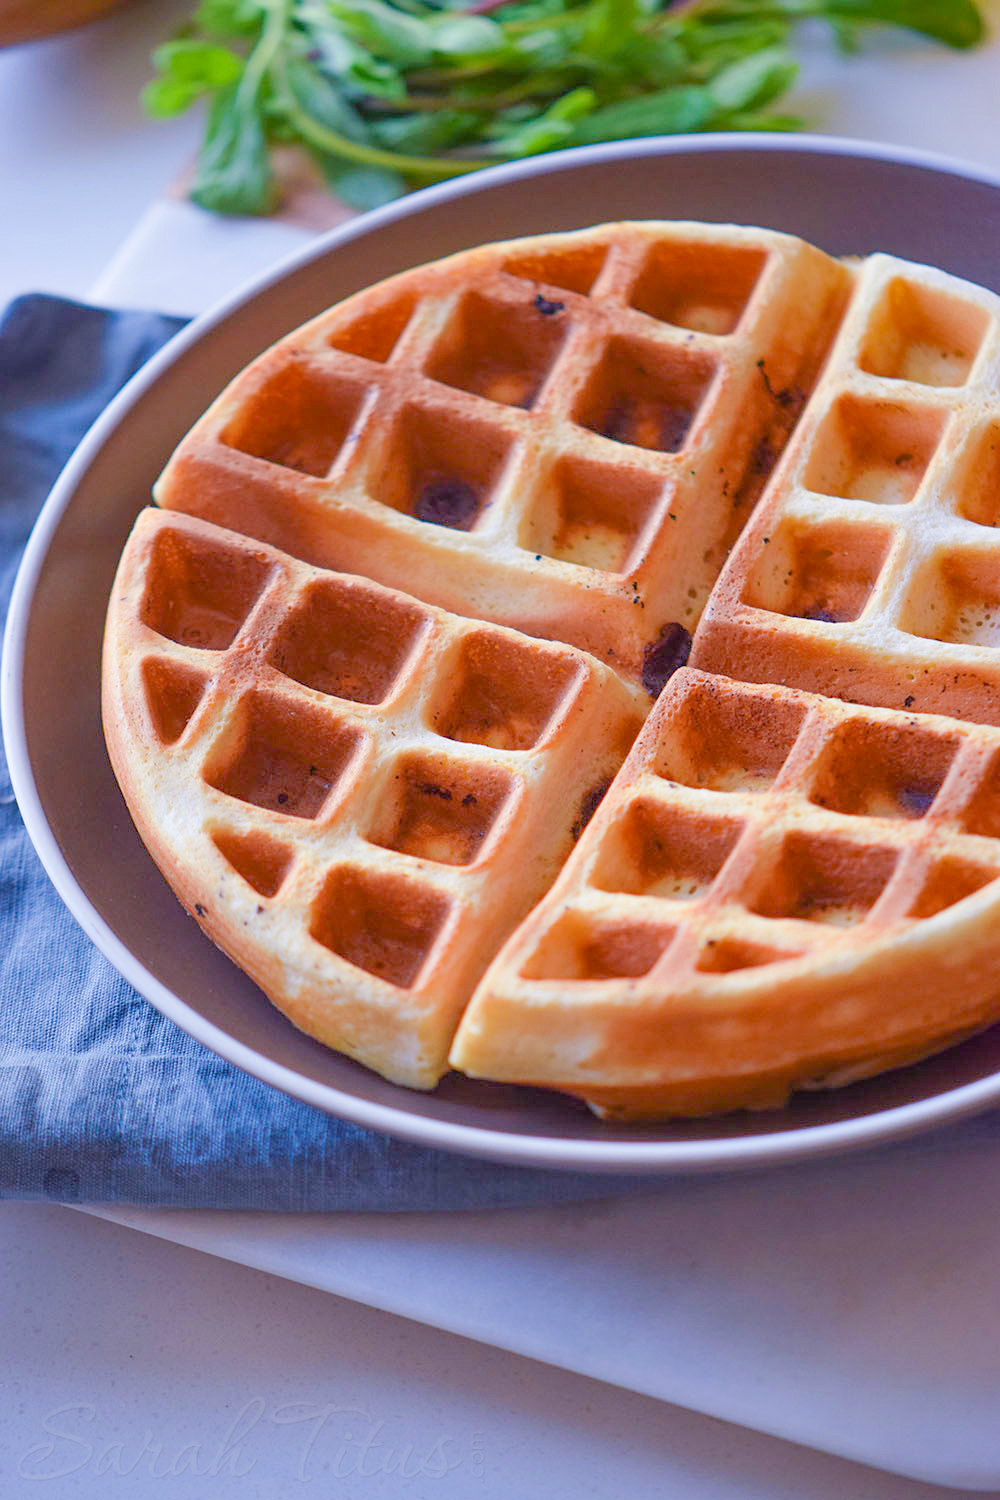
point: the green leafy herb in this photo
(386, 95)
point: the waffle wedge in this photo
(563, 434)
(872, 573)
(780, 891)
(355, 794)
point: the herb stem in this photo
(427, 168)
(277, 14)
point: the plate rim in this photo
(617, 1155)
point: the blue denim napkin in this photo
(102, 1099)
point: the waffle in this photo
(563, 434)
(872, 572)
(355, 794)
(415, 580)
(781, 891)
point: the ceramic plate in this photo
(845, 198)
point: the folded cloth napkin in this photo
(101, 1098)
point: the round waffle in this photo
(419, 573)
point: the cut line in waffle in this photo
(779, 891)
(357, 795)
(562, 434)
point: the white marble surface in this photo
(78, 161)
(128, 1358)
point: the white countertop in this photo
(126, 1357)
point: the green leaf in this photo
(464, 37)
(323, 99)
(608, 25)
(957, 23)
(233, 172)
(362, 187)
(715, 45)
(658, 60)
(534, 138)
(670, 112)
(229, 18)
(540, 50)
(554, 128)
(163, 97)
(346, 60)
(754, 81)
(421, 134)
(518, 13)
(388, 33)
(187, 70)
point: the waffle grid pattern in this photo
(575, 430)
(366, 766)
(873, 570)
(781, 892)
(754, 825)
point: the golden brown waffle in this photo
(357, 795)
(872, 572)
(780, 891)
(421, 567)
(562, 434)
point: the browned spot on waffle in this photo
(657, 850)
(280, 754)
(299, 418)
(573, 267)
(589, 806)
(498, 349)
(879, 770)
(594, 514)
(437, 809)
(701, 286)
(502, 693)
(440, 467)
(822, 879)
(575, 949)
(201, 595)
(662, 657)
(922, 334)
(818, 572)
(873, 450)
(645, 396)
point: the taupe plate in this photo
(843, 197)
